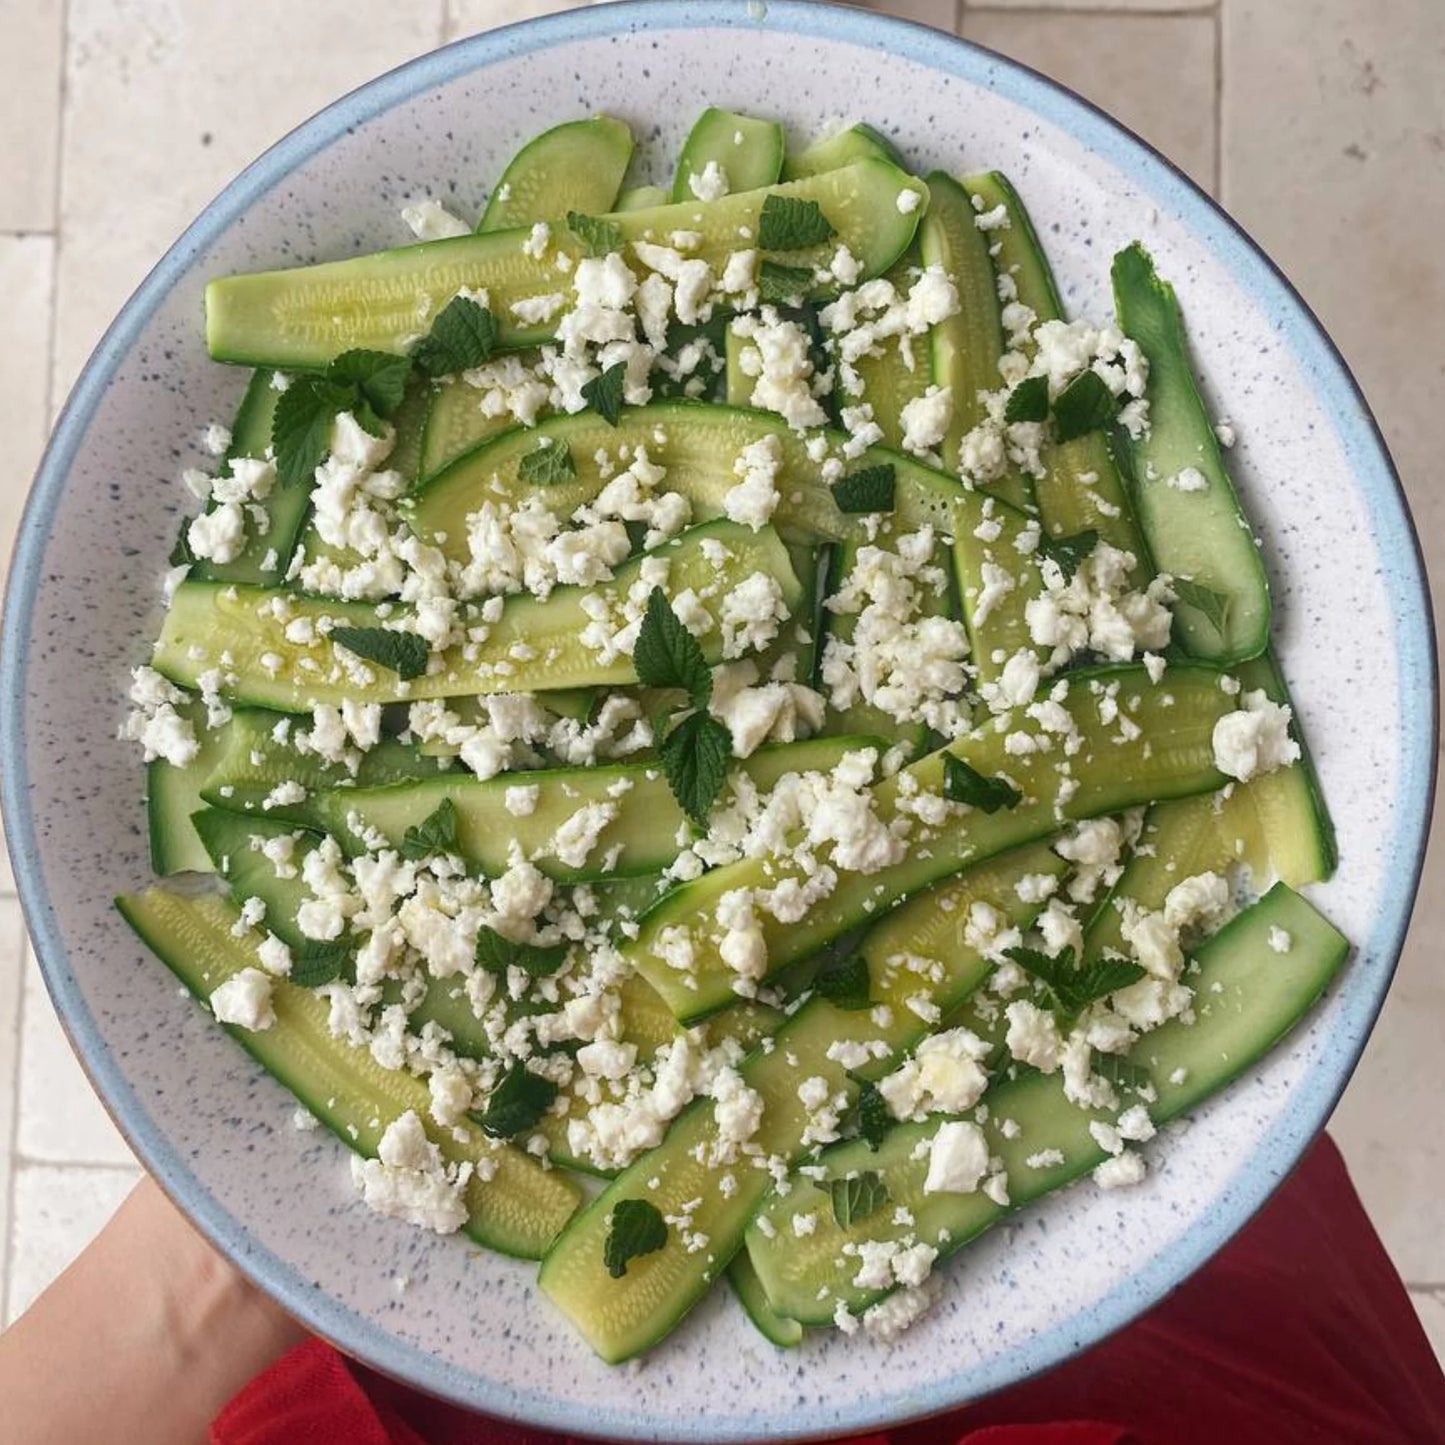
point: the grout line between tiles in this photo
(1218, 176)
(58, 213)
(35, 233)
(1097, 12)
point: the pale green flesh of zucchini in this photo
(1201, 535)
(173, 794)
(1249, 998)
(1173, 757)
(749, 152)
(1081, 489)
(858, 142)
(698, 444)
(784, 1333)
(308, 316)
(577, 166)
(518, 1212)
(455, 423)
(643, 198)
(209, 620)
(966, 347)
(622, 1317)
(641, 838)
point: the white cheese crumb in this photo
(245, 1000)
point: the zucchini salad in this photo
(731, 737)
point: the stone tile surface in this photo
(61, 1119)
(58, 1211)
(467, 17)
(129, 189)
(1116, 61)
(31, 41)
(1123, 6)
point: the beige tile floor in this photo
(1320, 123)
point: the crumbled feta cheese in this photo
(245, 1000)
(1255, 739)
(754, 499)
(1121, 1172)
(429, 220)
(710, 183)
(957, 1159)
(1280, 941)
(408, 1180)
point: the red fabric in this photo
(1298, 1333)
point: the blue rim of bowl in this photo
(1358, 434)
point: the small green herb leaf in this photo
(846, 985)
(517, 1103)
(598, 237)
(437, 833)
(403, 652)
(181, 554)
(1028, 401)
(1075, 988)
(301, 426)
(1084, 405)
(875, 1118)
(604, 393)
(1121, 1073)
(319, 963)
(666, 653)
(635, 1227)
(497, 954)
(695, 757)
(549, 463)
(869, 489)
(636, 536)
(1101, 979)
(1213, 605)
(379, 377)
(856, 1198)
(788, 223)
(780, 285)
(964, 784)
(1068, 553)
(464, 335)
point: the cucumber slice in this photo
(309, 315)
(1251, 997)
(643, 198)
(842, 148)
(286, 508)
(1173, 756)
(623, 1317)
(1199, 534)
(455, 423)
(255, 761)
(518, 1211)
(967, 346)
(786, 1334)
(641, 837)
(1002, 629)
(1081, 489)
(698, 444)
(748, 152)
(173, 794)
(408, 426)
(577, 166)
(206, 620)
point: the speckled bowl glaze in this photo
(1353, 623)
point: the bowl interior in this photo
(1353, 631)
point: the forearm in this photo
(143, 1339)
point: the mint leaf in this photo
(181, 554)
(550, 462)
(379, 377)
(964, 784)
(1075, 988)
(497, 954)
(846, 986)
(1121, 1073)
(464, 335)
(695, 757)
(869, 489)
(1084, 405)
(780, 285)
(875, 1118)
(403, 652)
(857, 1198)
(788, 223)
(1069, 552)
(666, 654)
(635, 1227)
(319, 963)
(604, 393)
(301, 426)
(516, 1104)
(1028, 401)
(435, 834)
(598, 237)
(1214, 605)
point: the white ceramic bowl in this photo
(1353, 623)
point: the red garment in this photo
(1297, 1333)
